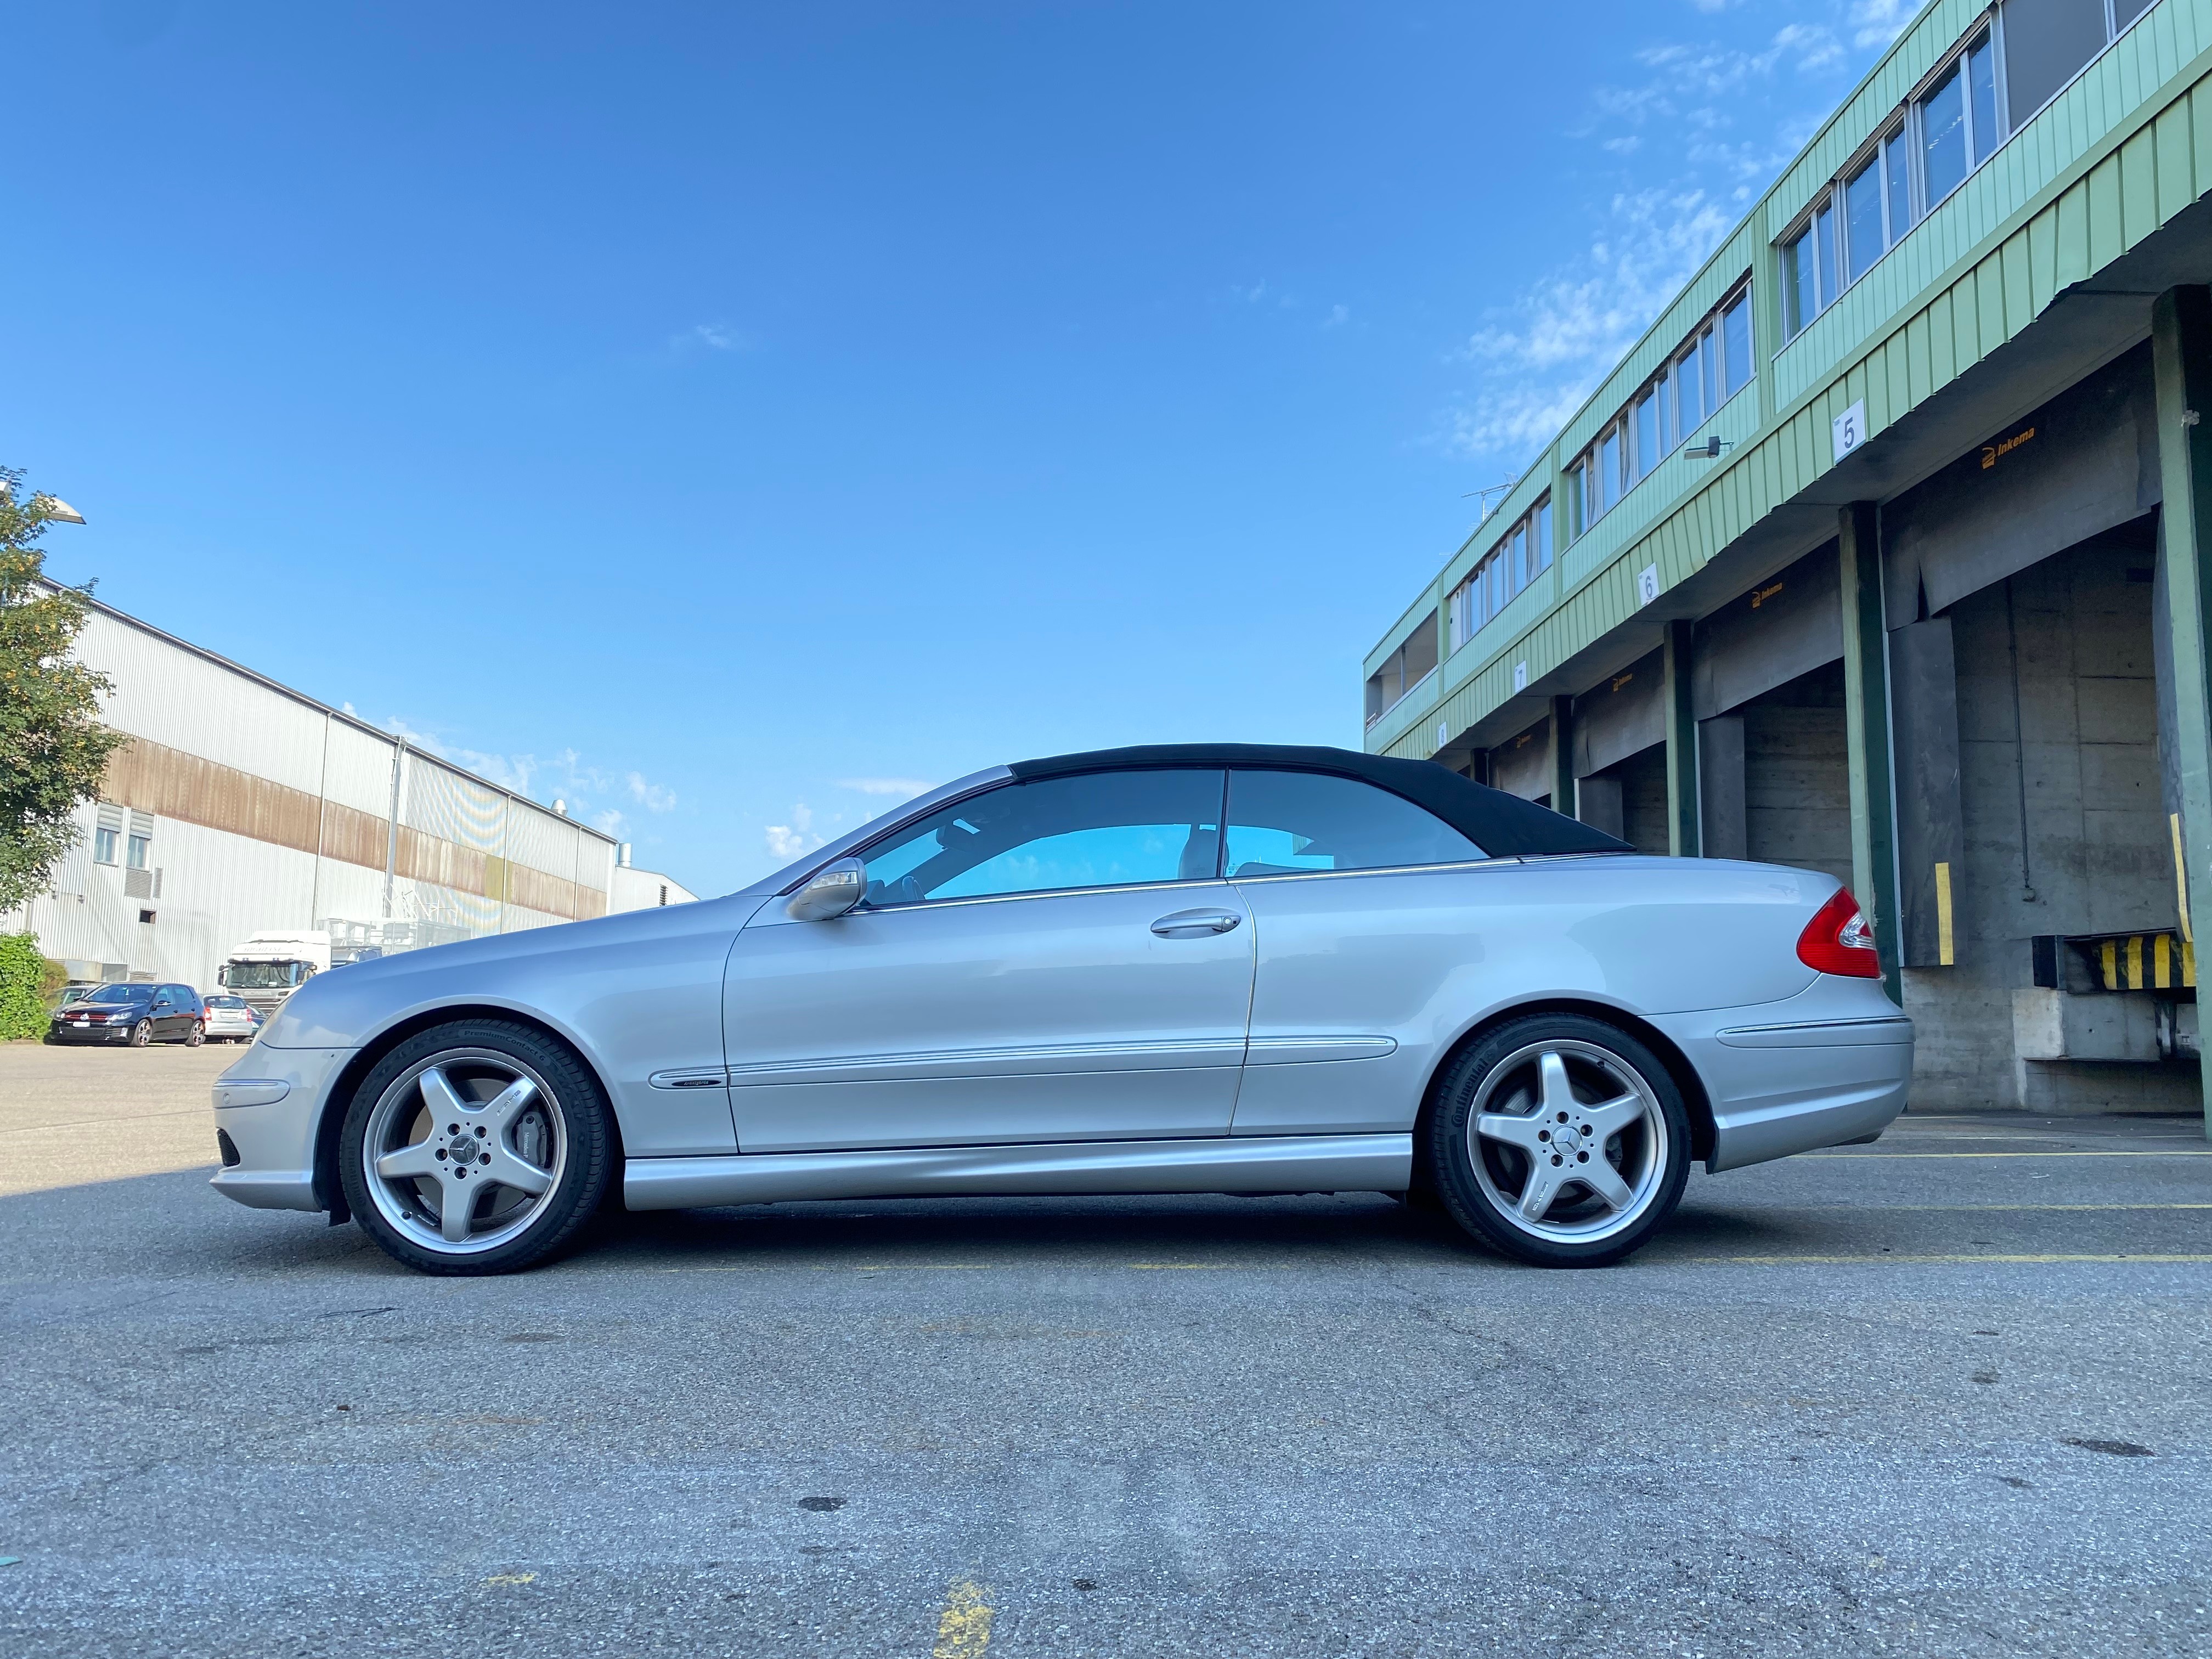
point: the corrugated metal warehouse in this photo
(241, 806)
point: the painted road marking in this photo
(2006, 1261)
(2205, 1152)
(1961, 1209)
(963, 1629)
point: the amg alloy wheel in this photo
(476, 1147)
(1559, 1140)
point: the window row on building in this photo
(1405, 668)
(1707, 369)
(2017, 58)
(1521, 554)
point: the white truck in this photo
(269, 967)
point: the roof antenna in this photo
(1494, 490)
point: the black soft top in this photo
(1503, 825)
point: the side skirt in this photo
(1252, 1163)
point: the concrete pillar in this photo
(1682, 837)
(1931, 824)
(1866, 731)
(1563, 756)
(1724, 813)
(2181, 363)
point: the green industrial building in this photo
(1887, 550)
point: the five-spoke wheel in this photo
(477, 1147)
(1558, 1138)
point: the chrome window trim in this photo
(1487, 863)
(864, 909)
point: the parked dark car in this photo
(133, 1014)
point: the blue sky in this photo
(730, 418)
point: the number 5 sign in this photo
(1850, 428)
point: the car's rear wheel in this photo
(196, 1035)
(476, 1147)
(1558, 1138)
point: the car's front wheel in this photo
(1558, 1138)
(476, 1147)
(142, 1034)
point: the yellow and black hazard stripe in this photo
(2147, 962)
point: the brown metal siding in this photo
(170, 783)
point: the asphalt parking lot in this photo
(1950, 1394)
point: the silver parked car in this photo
(1228, 968)
(229, 1018)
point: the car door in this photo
(1056, 959)
(1365, 909)
(166, 1007)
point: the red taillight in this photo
(1839, 941)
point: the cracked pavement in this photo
(1946, 1393)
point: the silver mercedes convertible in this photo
(1210, 969)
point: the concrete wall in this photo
(2063, 830)
(1798, 779)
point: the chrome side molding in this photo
(1251, 1163)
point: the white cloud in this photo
(904, 789)
(651, 796)
(1879, 22)
(1693, 144)
(788, 841)
(1337, 318)
(709, 337)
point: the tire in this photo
(196, 1037)
(142, 1034)
(402, 1164)
(1502, 1113)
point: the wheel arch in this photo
(329, 1194)
(1678, 1069)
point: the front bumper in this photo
(268, 1106)
(1831, 1064)
(88, 1034)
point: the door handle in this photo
(1189, 924)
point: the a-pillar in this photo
(1866, 731)
(2181, 362)
(1563, 756)
(1683, 835)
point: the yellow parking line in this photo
(1957, 1209)
(2004, 1260)
(829, 1267)
(1176, 1266)
(2205, 1152)
(963, 1629)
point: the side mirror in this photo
(832, 891)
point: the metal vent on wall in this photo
(142, 884)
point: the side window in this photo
(1283, 823)
(1096, 829)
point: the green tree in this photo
(53, 748)
(22, 988)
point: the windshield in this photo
(122, 994)
(263, 975)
